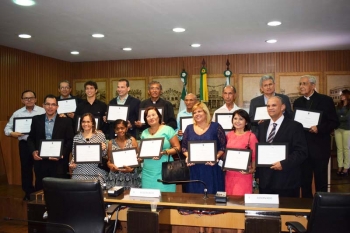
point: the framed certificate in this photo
(51, 148)
(307, 118)
(116, 112)
(267, 154)
(151, 147)
(202, 151)
(261, 114)
(22, 124)
(142, 111)
(125, 157)
(66, 105)
(184, 122)
(96, 120)
(88, 153)
(225, 120)
(237, 159)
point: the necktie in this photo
(272, 134)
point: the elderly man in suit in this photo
(50, 126)
(283, 177)
(318, 137)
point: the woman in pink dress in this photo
(240, 183)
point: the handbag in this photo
(176, 170)
(103, 165)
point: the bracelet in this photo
(166, 152)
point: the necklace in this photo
(154, 132)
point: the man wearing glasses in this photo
(28, 110)
(65, 90)
(49, 126)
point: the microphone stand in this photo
(188, 181)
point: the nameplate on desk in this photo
(261, 199)
(137, 192)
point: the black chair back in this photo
(77, 203)
(330, 213)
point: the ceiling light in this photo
(97, 35)
(271, 41)
(195, 45)
(274, 23)
(127, 49)
(179, 29)
(24, 2)
(25, 36)
(74, 52)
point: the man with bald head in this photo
(190, 100)
(229, 96)
(282, 177)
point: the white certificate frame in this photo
(237, 159)
(225, 120)
(261, 113)
(66, 105)
(51, 148)
(116, 112)
(202, 151)
(81, 149)
(303, 116)
(125, 157)
(21, 124)
(151, 147)
(267, 154)
(97, 120)
(184, 122)
(142, 110)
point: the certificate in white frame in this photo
(22, 124)
(116, 112)
(88, 153)
(184, 122)
(225, 120)
(237, 159)
(268, 154)
(66, 105)
(151, 147)
(261, 113)
(78, 123)
(142, 111)
(51, 148)
(202, 151)
(125, 157)
(307, 118)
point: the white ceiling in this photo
(220, 26)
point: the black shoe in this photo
(339, 172)
(346, 173)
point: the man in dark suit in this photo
(317, 137)
(133, 104)
(283, 177)
(46, 127)
(267, 87)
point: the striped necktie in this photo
(272, 134)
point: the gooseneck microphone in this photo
(187, 181)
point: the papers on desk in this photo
(261, 114)
(184, 122)
(66, 105)
(116, 112)
(51, 148)
(225, 120)
(125, 157)
(142, 112)
(261, 199)
(267, 154)
(151, 147)
(202, 151)
(22, 124)
(88, 153)
(139, 192)
(307, 118)
(237, 159)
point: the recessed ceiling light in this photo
(271, 41)
(97, 35)
(274, 23)
(127, 49)
(195, 45)
(24, 2)
(25, 36)
(179, 29)
(74, 52)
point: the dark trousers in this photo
(26, 159)
(317, 168)
(44, 168)
(281, 192)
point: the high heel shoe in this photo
(339, 172)
(345, 173)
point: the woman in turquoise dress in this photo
(152, 167)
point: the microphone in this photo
(187, 181)
(87, 139)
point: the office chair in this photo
(330, 213)
(77, 203)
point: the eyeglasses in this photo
(28, 98)
(50, 105)
(64, 88)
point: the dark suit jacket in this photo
(62, 130)
(133, 115)
(290, 132)
(319, 144)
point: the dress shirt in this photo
(22, 112)
(183, 113)
(120, 101)
(224, 109)
(278, 122)
(49, 126)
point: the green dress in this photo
(152, 169)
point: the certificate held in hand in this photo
(66, 105)
(268, 154)
(51, 148)
(116, 112)
(307, 118)
(22, 124)
(125, 157)
(151, 147)
(237, 159)
(88, 153)
(202, 151)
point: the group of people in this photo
(307, 156)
